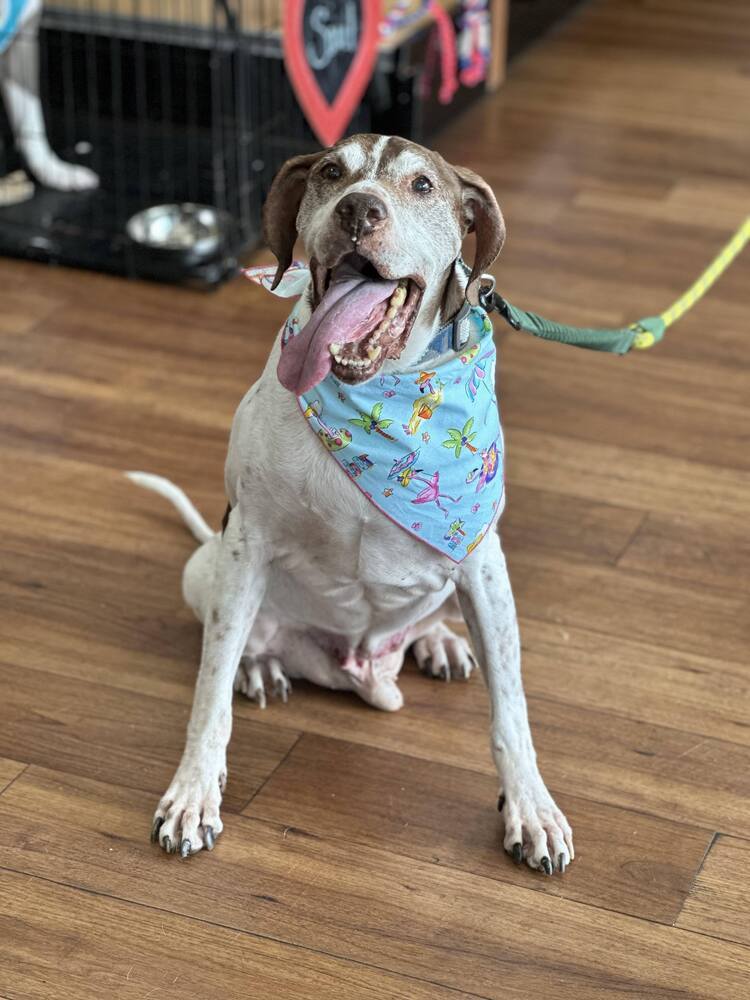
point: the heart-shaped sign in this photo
(330, 48)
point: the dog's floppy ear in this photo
(483, 217)
(281, 207)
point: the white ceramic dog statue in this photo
(315, 574)
(19, 84)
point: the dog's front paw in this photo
(255, 675)
(535, 829)
(187, 818)
(441, 653)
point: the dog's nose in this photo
(359, 214)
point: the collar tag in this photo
(462, 328)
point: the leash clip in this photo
(486, 293)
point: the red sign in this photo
(330, 49)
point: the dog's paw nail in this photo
(282, 691)
(445, 672)
(517, 853)
(501, 803)
(155, 829)
(426, 667)
(546, 866)
(208, 837)
(167, 845)
(561, 863)
(185, 849)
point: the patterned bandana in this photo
(425, 448)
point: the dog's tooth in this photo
(335, 349)
(374, 353)
(399, 297)
(391, 314)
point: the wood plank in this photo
(542, 523)
(58, 942)
(102, 509)
(446, 815)
(121, 737)
(627, 477)
(592, 754)
(358, 903)
(21, 311)
(695, 694)
(681, 615)
(706, 200)
(718, 904)
(692, 549)
(587, 395)
(9, 771)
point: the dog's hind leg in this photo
(439, 651)
(443, 654)
(273, 656)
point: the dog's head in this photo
(382, 220)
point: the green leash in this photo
(640, 335)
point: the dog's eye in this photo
(421, 184)
(331, 172)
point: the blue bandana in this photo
(426, 448)
(11, 12)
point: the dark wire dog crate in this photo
(174, 101)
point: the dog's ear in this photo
(483, 217)
(281, 207)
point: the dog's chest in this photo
(336, 561)
(355, 577)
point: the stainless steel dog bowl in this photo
(195, 231)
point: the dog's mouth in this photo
(360, 319)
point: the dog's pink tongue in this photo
(347, 312)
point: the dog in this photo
(308, 578)
(19, 84)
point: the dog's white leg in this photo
(187, 817)
(19, 81)
(534, 826)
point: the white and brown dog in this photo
(289, 589)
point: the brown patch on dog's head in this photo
(281, 207)
(482, 216)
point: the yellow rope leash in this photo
(644, 338)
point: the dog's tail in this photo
(176, 496)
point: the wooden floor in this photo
(362, 852)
